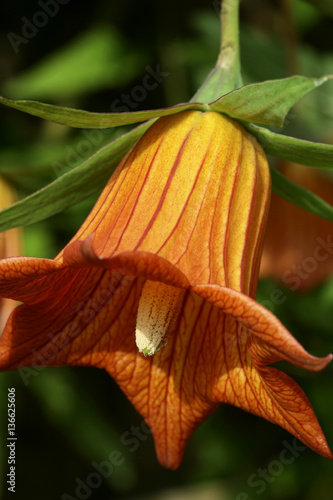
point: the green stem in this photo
(226, 75)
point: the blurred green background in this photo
(95, 55)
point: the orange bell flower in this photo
(158, 286)
(298, 249)
(10, 245)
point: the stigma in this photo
(158, 310)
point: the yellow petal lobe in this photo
(159, 307)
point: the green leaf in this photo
(300, 196)
(72, 187)
(311, 154)
(87, 119)
(266, 102)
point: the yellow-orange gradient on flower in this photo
(10, 246)
(298, 249)
(167, 262)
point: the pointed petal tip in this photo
(305, 360)
(169, 461)
(327, 454)
(318, 364)
(328, 358)
(264, 326)
(321, 448)
(88, 251)
(169, 450)
(173, 461)
(81, 253)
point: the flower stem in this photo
(226, 75)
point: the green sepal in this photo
(311, 154)
(300, 196)
(87, 119)
(266, 102)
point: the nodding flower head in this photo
(158, 288)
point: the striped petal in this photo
(195, 191)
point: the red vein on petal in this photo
(184, 207)
(135, 202)
(188, 347)
(232, 194)
(166, 188)
(107, 197)
(253, 191)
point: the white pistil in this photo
(158, 310)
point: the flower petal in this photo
(68, 312)
(198, 218)
(255, 339)
(171, 389)
(264, 325)
(145, 264)
(19, 276)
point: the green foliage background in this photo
(89, 55)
